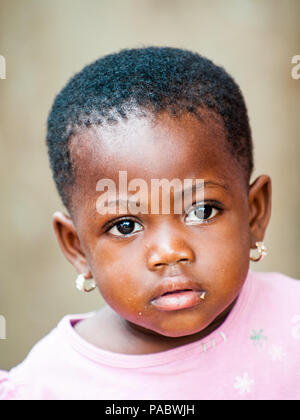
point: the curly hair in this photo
(153, 79)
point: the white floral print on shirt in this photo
(277, 353)
(243, 383)
(296, 327)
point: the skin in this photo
(127, 270)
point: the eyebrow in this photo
(198, 186)
(193, 188)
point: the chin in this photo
(179, 327)
(175, 326)
(176, 331)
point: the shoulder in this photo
(275, 285)
(48, 356)
(275, 303)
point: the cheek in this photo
(222, 250)
(229, 241)
(118, 275)
(223, 257)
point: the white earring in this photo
(85, 285)
(262, 251)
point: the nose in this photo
(169, 252)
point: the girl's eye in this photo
(201, 213)
(125, 228)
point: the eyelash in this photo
(214, 204)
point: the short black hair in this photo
(153, 79)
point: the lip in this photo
(175, 294)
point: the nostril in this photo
(181, 260)
(158, 265)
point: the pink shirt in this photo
(254, 354)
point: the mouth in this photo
(178, 298)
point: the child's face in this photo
(162, 252)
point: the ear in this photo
(260, 196)
(69, 242)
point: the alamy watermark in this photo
(2, 67)
(296, 69)
(113, 200)
(2, 327)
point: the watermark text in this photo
(143, 198)
(2, 327)
(2, 67)
(296, 69)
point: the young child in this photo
(185, 317)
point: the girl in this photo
(185, 317)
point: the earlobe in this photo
(260, 197)
(69, 241)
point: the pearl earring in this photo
(85, 285)
(262, 251)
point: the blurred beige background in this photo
(45, 42)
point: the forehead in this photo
(154, 147)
